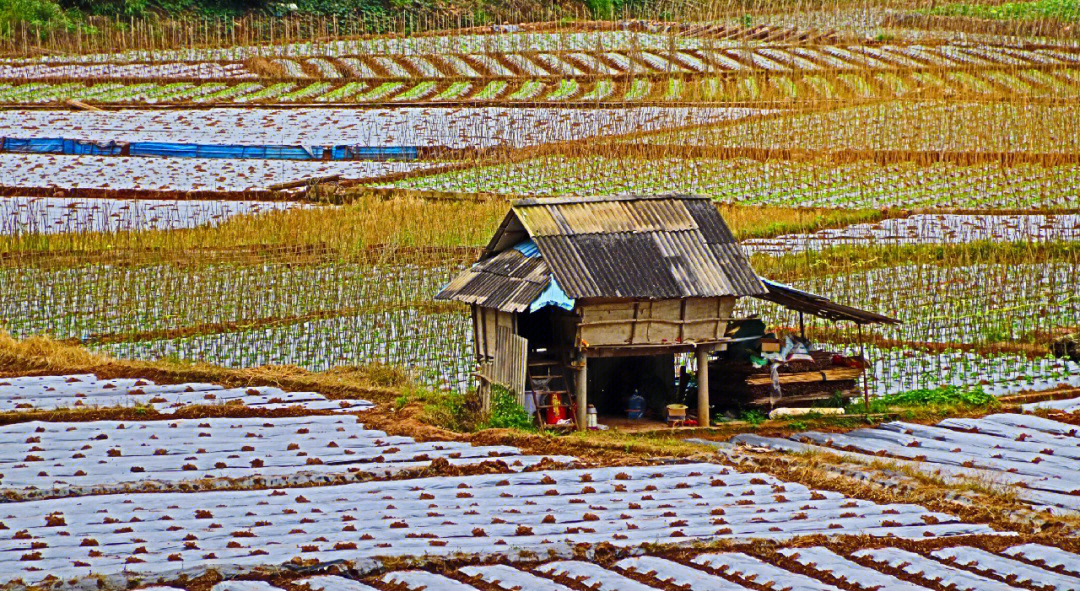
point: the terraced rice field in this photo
(913, 366)
(431, 347)
(1032, 456)
(952, 304)
(962, 325)
(313, 315)
(618, 59)
(764, 87)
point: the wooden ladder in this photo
(546, 377)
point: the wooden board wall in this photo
(654, 322)
(488, 321)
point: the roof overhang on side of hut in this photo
(631, 246)
(509, 281)
(809, 303)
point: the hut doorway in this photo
(613, 380)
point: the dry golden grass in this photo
(42, 355)
(347, 229)
(402, 221)
(767, 221)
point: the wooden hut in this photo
(596, 296)
(584, 279)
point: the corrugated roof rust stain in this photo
(633, 246)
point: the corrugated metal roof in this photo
(820, 306)
(635, 246)
(508, 281)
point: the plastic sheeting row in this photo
(51, 459)
(512, 515)
(1033, 455)
(962, 568)
(81, 391)
(179, 150)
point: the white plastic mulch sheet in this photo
(723, 572)
(750, 569)
(1003, 568)
(1069, 405)
(243, 586)
(928, 229)
(1036, 454)
(450, 127)
(826, 561)
(87, 391)
(55, 215)
(502, 515)
(592, 576)
(931, 570)
(132, 173)
(418, 580)
(333, 583)
(511, 579)
(61, 459)
(673, 573)
(1047, 556)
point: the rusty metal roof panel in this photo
(633, 246)
(624, 265)
(708, 220)
(539, 221)
(692, 264)
(736, 267)
(666, 216)
(560, 253)
(804, 301)
(509, 281)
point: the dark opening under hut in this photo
(589, 302)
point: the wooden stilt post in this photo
(582, 418)
(703, 386)
(865, 378)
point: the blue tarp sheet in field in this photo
(177, 150)
(553, 294)
(62, 146)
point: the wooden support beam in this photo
(582, 397)
(703, 386)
